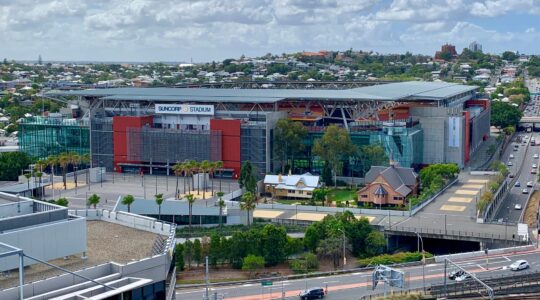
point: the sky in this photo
(207, 30)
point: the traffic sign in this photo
(266, 283)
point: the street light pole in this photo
(423, 262)
(344, 256)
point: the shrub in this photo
(307, 263)
(388, 259)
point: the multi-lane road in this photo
(355, 285)
(522, 157)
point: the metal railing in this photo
(453, 233)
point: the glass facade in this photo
(102, 142)
(41, 137)
(402, 142)
(253, 146)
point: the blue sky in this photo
(206, 30)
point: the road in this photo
(355, 285)
(522, 161)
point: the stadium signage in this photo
(184, 109)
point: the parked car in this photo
(517, 206)
(519, 265)
(312, 293)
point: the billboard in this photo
(184, 109)
(454, 132)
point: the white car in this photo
(519, 265)
(535, 156)
(530, 184)
(525, 191)
(534, 165)
(463, 277)
(509, 164)
(517, 207)
(511, 156)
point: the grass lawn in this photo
(340, 195)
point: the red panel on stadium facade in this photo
(230, 143)
(480, 102)
(120, 143)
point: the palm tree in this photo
(85, 159)
(184, 166)
(221, 205)
(28, 176)
(177, 169)
(64, 160)
(190, 199)
(40, 165)
(248, 204)
(128, 200)
(194, 167)
(219, 166)
(211, 172)
(51, 162)
(75, 160)
(93, 200)
(159, 201)
(39, 174)
(204, 167)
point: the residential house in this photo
(291, 186)
(389, 185)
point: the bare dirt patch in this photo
(532, 208)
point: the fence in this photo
(464, 235)
(493, 206)
(326, 209)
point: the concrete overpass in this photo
(529, 120)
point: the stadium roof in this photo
(412, 90)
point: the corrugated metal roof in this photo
(383, 92)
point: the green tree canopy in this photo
(288, 141)
(11, 164)
(252, 263)
(375, 243)
(504, 114)
(334, 147)
(247, 178)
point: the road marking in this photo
(453, 207)
(466, 192)
(477, 180)
(460, 199)
(508, 259)
(472, 186)
(481, 267)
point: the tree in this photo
(128, 200)
(288, 141)
(334, 147)
(11, 164)
(248, 204)
(62, 202)
(274, 244)
(247, 179)
(39, 175)
(509, 56)
(372, 155)
(64, 160)
(252, 262)
(159, 201)
(509, 130)
(179, 257)
(215, 251)
(197, 251)
(320, 195)
(331, 247)
(219, 167)
(28, 176)
(504, 114)
(177, 169)
(205, 168)
(190, 199)
(375, 243)
(194, 167)
(93, 200)
(188, 252)
(221, 205)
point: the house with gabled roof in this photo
(388, 185)
(291, 186)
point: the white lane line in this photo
(333, 281)
(508, 259)
(481, 267)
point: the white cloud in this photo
(215, 29)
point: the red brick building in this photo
(389, 185)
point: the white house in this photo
(291, 186)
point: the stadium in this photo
(150, 129)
